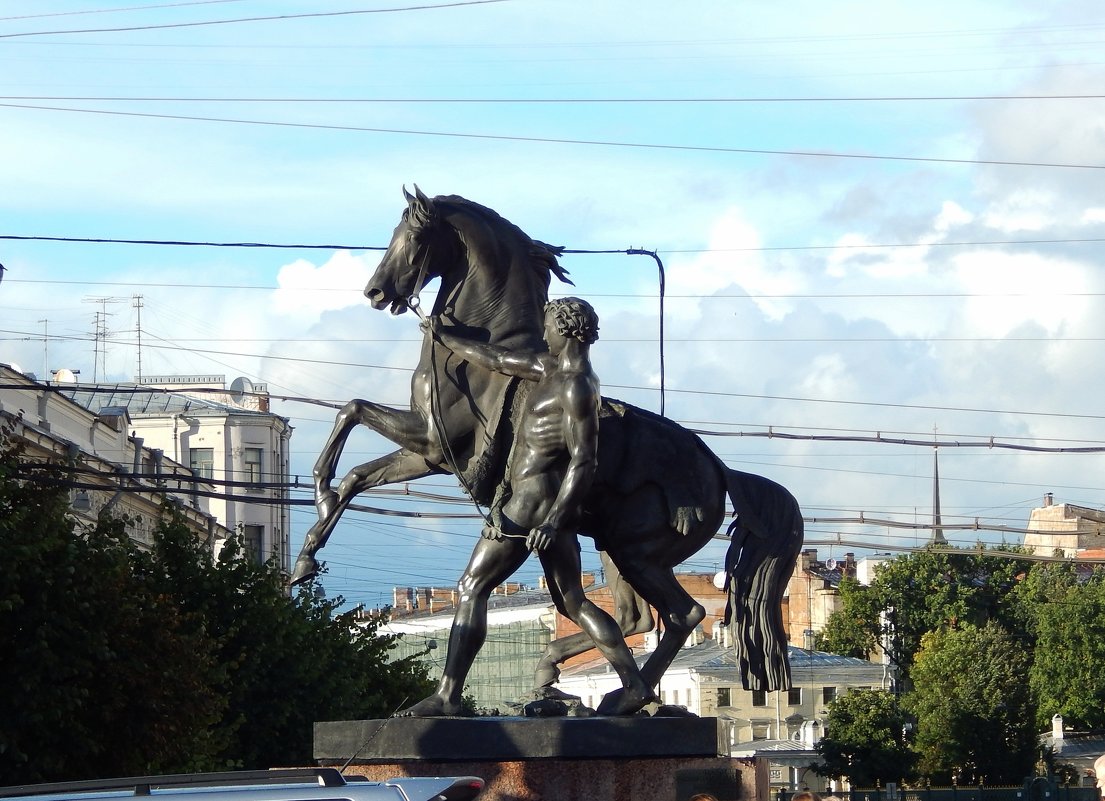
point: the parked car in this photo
(295, 784)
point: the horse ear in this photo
(421, 208)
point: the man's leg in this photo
(562, 567)
(492, 562)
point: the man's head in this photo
(572, 318)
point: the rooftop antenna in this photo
(100, 334)
(45, 347)
(137, 299)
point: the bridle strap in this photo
(414, 303)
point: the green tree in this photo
(118, 661)
(101, 675)
(974, 711)
(918, 593)
(1064, 613)
(865, 739)
(285, 661)
(849, 632)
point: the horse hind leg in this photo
(677, 610)
(631, 613)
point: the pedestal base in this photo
(550, 759)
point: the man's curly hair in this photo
(575, 319)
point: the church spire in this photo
(937, 531)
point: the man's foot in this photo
(626, 701)
(433, 707)
(306, 568)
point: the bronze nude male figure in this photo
(554, 461)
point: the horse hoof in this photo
(306, 568)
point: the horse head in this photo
(494, 277)
(414, 256)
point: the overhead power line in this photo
(239, 20)
(542, 100)
(117, 9)
(308, 246)
(563, 141)
(986, 441)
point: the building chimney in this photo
(1049, 499)
(1056, 722)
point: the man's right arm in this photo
(491, 357)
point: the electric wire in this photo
(240, 20)
(760, 249)
(564, 140)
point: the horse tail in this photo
(766, 537)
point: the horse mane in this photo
(542, 256)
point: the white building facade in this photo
(105, 466)
(224, 435)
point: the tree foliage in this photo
(284, 662)
(100, 674)
(848, 632)
(865, 739)
(974, 711)
(122, 662)
(1064, 614)
(918, 593)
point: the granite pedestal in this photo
(549, 759)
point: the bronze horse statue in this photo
(659, 495)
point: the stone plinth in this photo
(550, 759)
(454, 739)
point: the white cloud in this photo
(307, 290)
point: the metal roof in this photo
(143, 400)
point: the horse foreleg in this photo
(407, 429)
(631, 612)
(401, 465)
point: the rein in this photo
(414, 303)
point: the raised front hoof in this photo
(306, 568)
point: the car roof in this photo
(296, 784)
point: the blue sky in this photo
(676, 127)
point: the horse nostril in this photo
(374, 293)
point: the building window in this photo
(251, 541)
(828, 695)
(251, 459)
(724, 696)
(202, 461)
(794, 696)
(759, 698)
(675, 697)
(760, 732)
